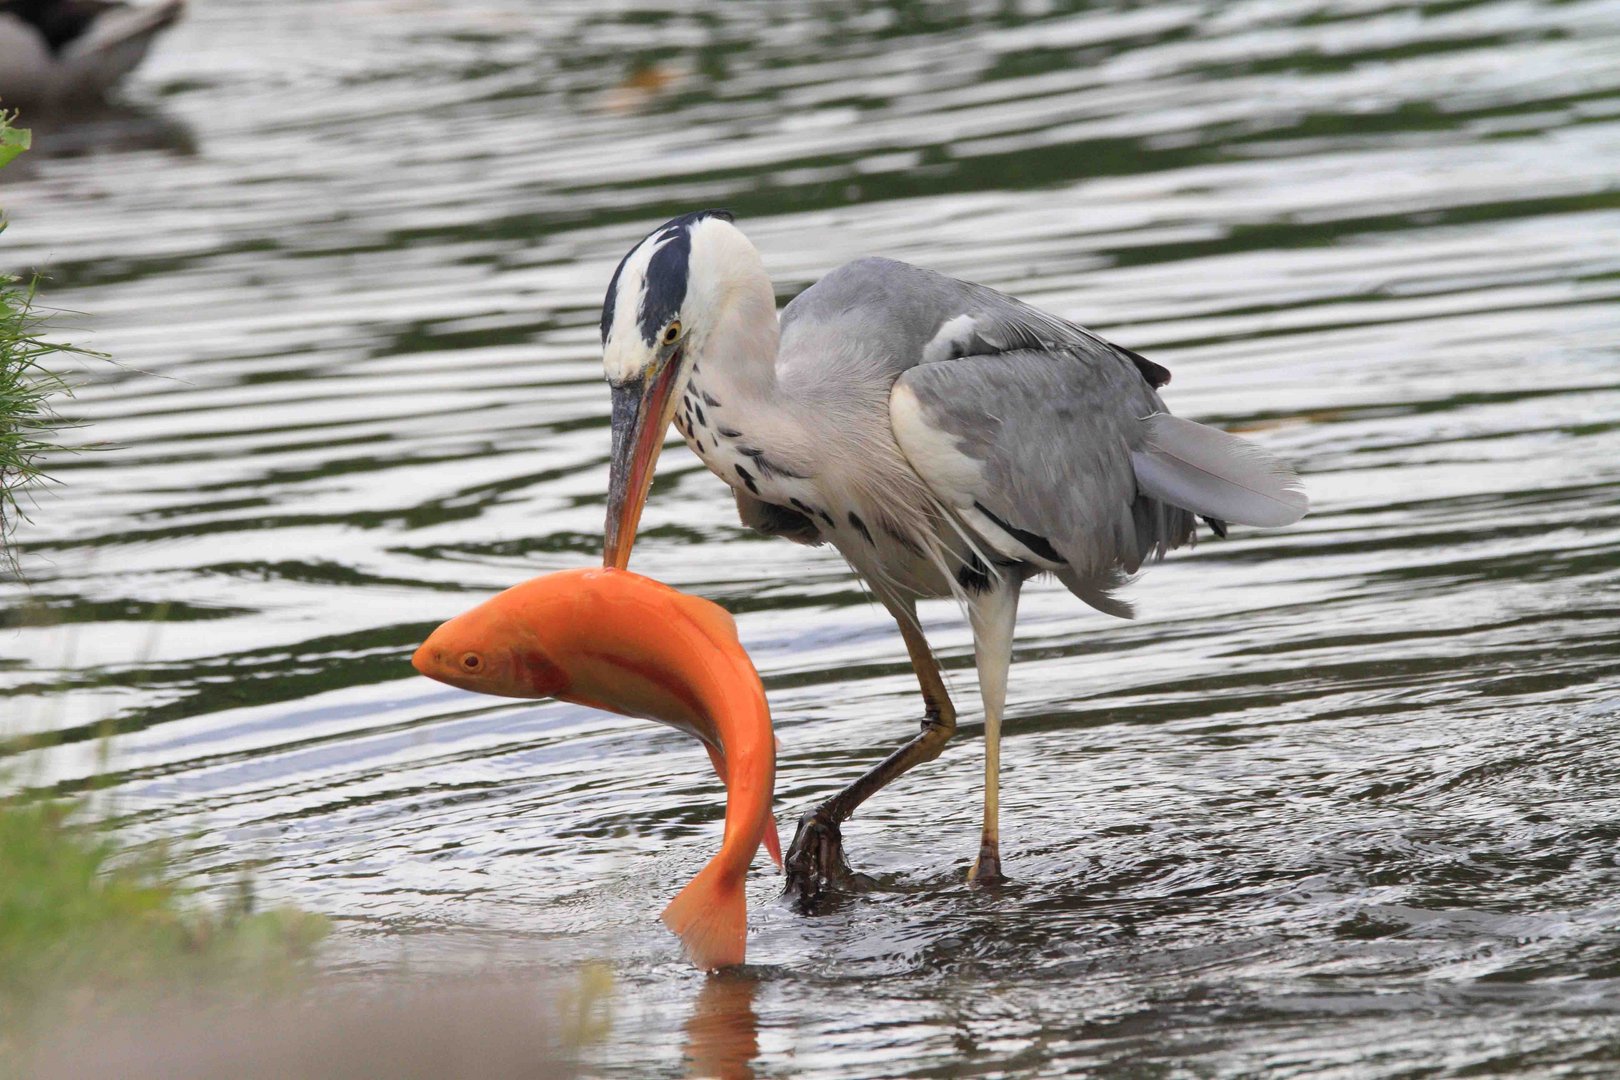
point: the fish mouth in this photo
(642, 411)
(429, 660)
(439, 664)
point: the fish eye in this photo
(472, 662)
(672, 332)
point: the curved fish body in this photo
(618, 641)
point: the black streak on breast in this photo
(903, 540)
(813, 511)
(974, 575)
(767, 467)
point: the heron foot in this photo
(815, 865)
(986, 869)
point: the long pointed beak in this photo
(642, 411)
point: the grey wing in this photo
(773, 520)
(1031, 448)
(895, 316)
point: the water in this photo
(1341, 802)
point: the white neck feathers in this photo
(734, 329)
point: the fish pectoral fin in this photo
(718, 760)
(773, 841)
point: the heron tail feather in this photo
(1215, 474)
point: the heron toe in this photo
(815, 865)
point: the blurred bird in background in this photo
(73, 50)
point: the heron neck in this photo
(738, 347)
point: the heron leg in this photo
(993, 614)
(815, 862)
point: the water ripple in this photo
(1339, 803)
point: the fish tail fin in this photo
(710, 916)
(773, 841)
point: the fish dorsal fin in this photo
(714, 620)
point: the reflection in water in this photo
(75, 129)
(410, 1029)
(722, 1036)
(1342, 796)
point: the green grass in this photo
(88, 922)
(13, 141)
(111, 963)
(28, 423)
(111, 966)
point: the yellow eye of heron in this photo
(671, 332)
(472, 662)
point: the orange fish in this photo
(618, 641)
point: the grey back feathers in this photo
(1057, 452)
(913, 316)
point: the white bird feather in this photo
(1215, 474)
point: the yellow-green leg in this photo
(993, 615)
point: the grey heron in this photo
(945, 438)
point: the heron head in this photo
(654, 314)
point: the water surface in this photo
(1340, 802)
